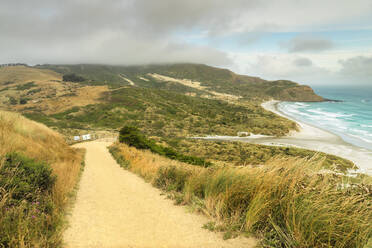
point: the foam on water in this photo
(351, 119)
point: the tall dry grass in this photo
(286, 202)
(35, 140)
(19, 221)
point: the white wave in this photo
(329, 114)
(301, 104)
(359, 131)
(363, 125)
(361, 138)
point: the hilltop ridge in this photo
(216, 79)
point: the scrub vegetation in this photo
(38, 171)
(132, 137)
(168, 114)
(246, 154)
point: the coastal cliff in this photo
(301, 93)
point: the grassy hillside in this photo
(166, 111)
(167, 114)
(285, 203)
(163, 110)
(24, 89)
(219, 80)
(37, 172)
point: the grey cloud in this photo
(307, 44)
(110, 31)
(112, 48)
(135, 31)
(302, 62)
(359, 67)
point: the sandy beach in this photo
(312, 138)
(317, 139)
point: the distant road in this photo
(115, 208)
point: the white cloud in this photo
(312, 69)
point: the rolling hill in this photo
(168, 103)
(213, 79)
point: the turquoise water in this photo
(351, 119)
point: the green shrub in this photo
(133, 137)
(26, 86)
(171, 178)
(72, 77)
(31, 92)
(24, 177)
(13, 101)
(28, 215)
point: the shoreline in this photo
(311, 138)
(307, 131)
(318, 139)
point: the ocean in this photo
(351, 119)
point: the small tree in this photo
(133, 137)
(72, 77)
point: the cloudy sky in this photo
(316, 42)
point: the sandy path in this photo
(115, 208)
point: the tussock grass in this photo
(33, 220)
(287, 202)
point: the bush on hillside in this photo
(29, 176)
(13, 101)
(133, 137)
(26, 206)
(23, 101)
(72, 78)
(32, 198)
(26, 86)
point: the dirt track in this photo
(115, 208)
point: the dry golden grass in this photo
(51, 94)
(38, 222)
(18, 134)
(83, 96)
(23, 74)
(147, 164)
(287, 202)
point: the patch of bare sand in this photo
(196, 85)
(115, 208)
